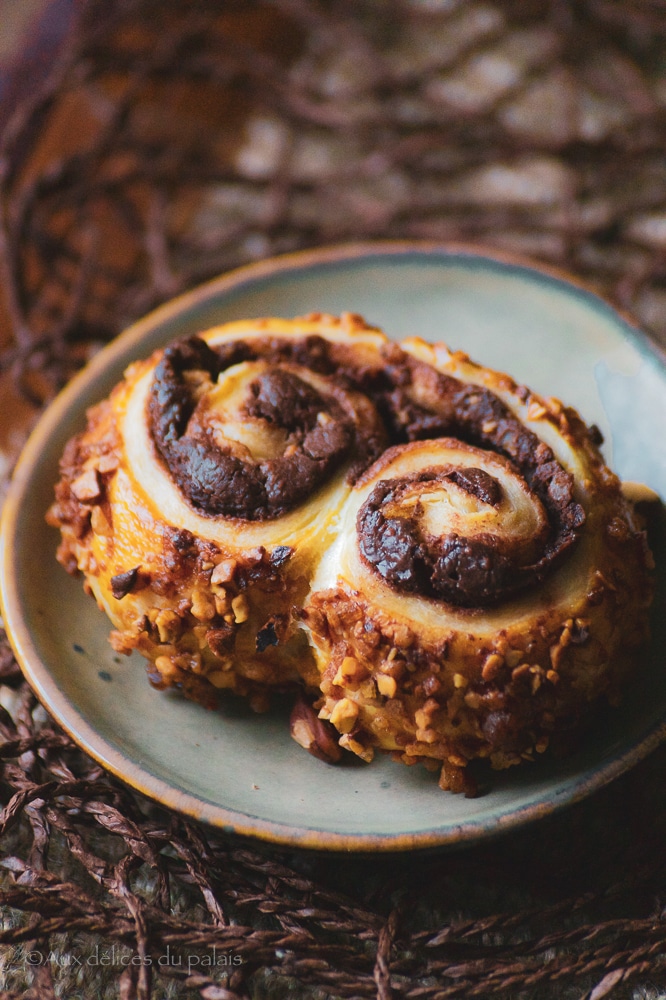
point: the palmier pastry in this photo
(437, 556)
(487, 583)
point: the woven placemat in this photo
(167, 144)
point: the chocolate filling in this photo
(464, 571)
(467, 572)
(123, 584)
(478, 483)
(477, 416)
(320, 434)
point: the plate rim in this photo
(84, 734)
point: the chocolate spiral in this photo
(308, 422)
(420, 403)
(466, 570)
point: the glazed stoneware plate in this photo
(242, 771)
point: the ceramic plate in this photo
(243, 772)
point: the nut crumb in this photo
(240, 608)
(344, 715)
(87, 488)
(313, 733)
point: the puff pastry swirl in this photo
(437, 555)
(479, 596)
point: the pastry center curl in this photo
(461, 534)
(252, 440)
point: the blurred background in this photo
(147, 146)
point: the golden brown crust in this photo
(427, 679)
(308, 597)
(208, 600)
